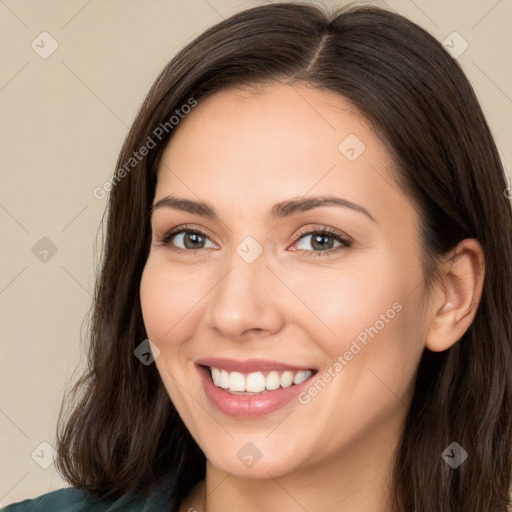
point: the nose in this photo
(247, 299)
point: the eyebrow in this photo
(278, 211)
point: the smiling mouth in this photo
(256, 383)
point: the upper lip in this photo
(249, 365)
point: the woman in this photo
(309, 222)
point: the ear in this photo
(458, 294)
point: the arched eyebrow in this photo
(278, 211)
(302, 204)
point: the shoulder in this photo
(71, 499)
(74, 500)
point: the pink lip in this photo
(246, 406)
(248, 366)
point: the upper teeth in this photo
(257, 382)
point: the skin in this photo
(242, 151)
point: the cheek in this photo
(350, 299)
(167, 300)
(369, 378)
(370, 317)
(168, 312)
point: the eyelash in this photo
(344, 242)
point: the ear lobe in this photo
(455, 303)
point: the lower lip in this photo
(249, 405)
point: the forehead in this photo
(287, 119)
(277, 142)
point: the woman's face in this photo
(265, 297)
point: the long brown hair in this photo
(122, 434)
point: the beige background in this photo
(62, 121)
